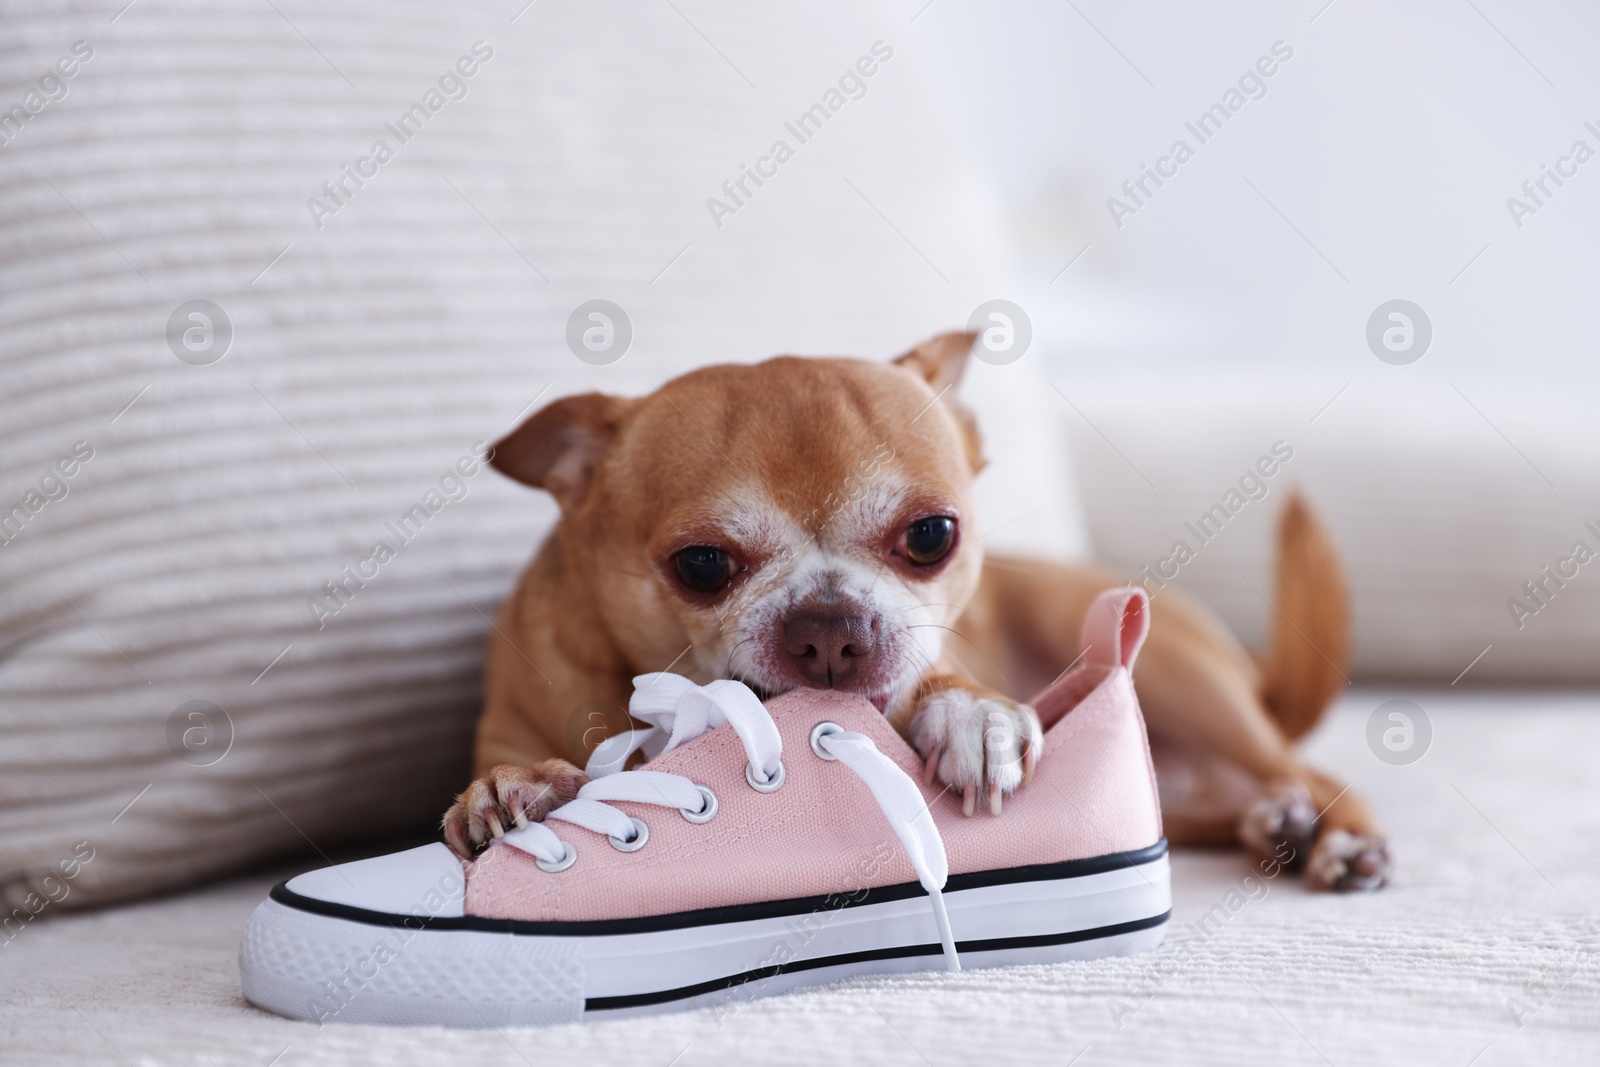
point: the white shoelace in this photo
(679, 711)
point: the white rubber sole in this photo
(376, 969)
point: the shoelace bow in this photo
(679, 711)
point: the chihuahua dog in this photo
(808, 522)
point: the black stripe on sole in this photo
(995, 944)
(770, 909)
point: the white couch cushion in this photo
(1447, 497)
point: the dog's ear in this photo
(939, 361)
(558, 447)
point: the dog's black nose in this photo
(825, 649)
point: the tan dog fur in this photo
(808, 470)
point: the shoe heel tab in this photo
(1115, 627)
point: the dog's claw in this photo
(507, 795)
(455, 835)
(976, 744)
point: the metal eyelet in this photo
(708, 806)
(561, 864)
(771, 785)
(641, 834)
(821, 730)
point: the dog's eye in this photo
(929, 540)
(703, 568)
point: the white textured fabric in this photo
(1424, 972)
(194, 156)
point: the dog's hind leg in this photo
(1204, 695)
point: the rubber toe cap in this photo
(419, 881)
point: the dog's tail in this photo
(1309, 658)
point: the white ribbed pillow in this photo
(369, 354)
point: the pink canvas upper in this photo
(1093, 793)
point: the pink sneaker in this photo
(764, 847)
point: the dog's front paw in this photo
(508, 796)
(971, 742)
(1349, 863)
